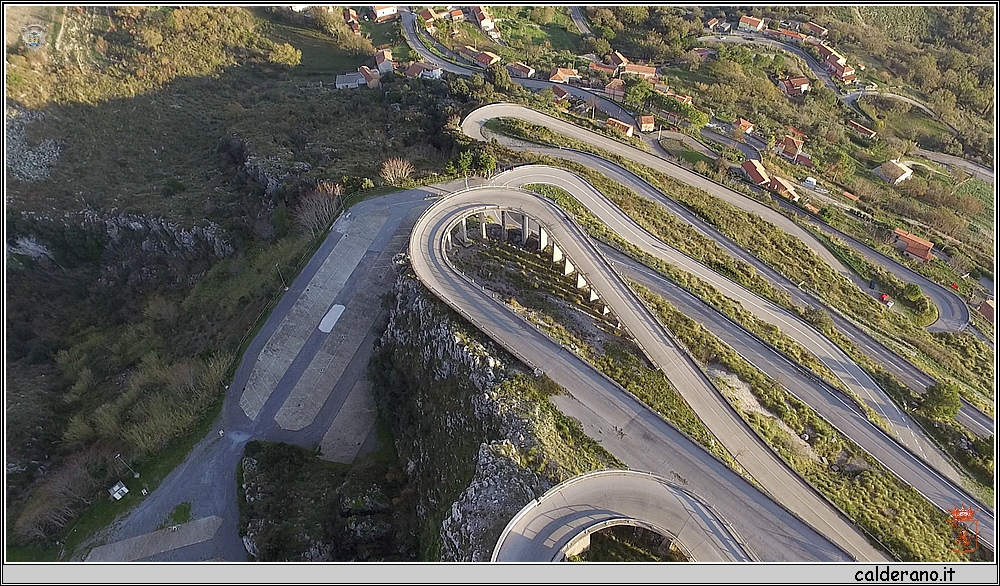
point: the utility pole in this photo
(122, 460)
(281, 277)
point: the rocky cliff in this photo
(474, 431)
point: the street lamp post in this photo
(281, 277)
(122, 460)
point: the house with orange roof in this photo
(756, 172)
(783, 187)
(564, 75)
(794, 86)
(615, 89)
(744, 126)
(750, 24)
(643, 71)
(912, 246)
(647, 123)
(622, 127)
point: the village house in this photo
(429, 16)
(384, 13)
(850, 196)
(469, 52)
(912, 246)
(350, 15)
(860, 130)
(614, 124)
(616, 59)
(783, 187)
(562, 75)
(743, 126)
(486, 58)
(811, 209)
(815, 29)
(350, 80)
(843, 72)
(987, 309)
(794, 86)
(483, 18)
(643, 71)
(615, 89)
(561, 93)
(750, 24)
(712, 23)
(456, 15)
(704, 52)
(423, 70)
(372, 77)
(828, 55)
(894, 172)
(661, 89)
(647, 123)
(793, 37)
(383, 62)
(790, 147)
(756, 172)
(596, 66)
(518, 69)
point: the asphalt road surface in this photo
(544, 528)
(659, 450)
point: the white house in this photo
(383, 13)
(350, 80)
(383, 61)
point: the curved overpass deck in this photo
(544, 529)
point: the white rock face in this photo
(24, 162)
(28, 246)
(498, 491)
(500, 486)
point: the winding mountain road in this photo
(647, 442)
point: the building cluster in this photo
(480, 14)
(796, 33)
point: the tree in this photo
(498, 75)
(597, 45)
(317, 208)
(637, 90)
(942, 401)
(912, 292)
(285, 54)
(395, 171)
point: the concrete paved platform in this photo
(158, 541)
(315, 385)
(286, 342)
(351, 427)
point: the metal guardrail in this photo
(733, 532)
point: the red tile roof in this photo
(755, 171)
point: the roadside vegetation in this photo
(296, 507)
(905, 523)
